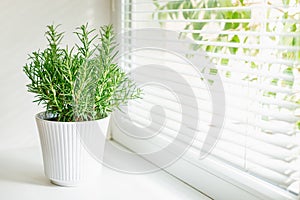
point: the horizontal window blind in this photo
(255, 49)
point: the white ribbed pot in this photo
(64, 155)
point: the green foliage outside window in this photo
(197, 16)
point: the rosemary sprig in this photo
(79, 83)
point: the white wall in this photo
(22, 27)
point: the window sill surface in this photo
(22, 177)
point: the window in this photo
(254, 46)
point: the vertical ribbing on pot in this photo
(64, 155)
(62, 152)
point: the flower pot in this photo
(64, 155)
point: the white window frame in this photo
(207, 176)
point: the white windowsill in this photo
(22, 177)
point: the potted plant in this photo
(76, 86)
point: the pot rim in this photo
(41, 117)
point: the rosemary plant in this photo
(80, 83)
